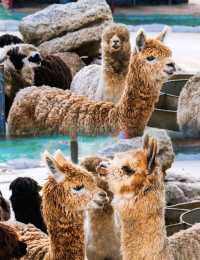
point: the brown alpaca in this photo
(69, 190)
(46, 110)
(101, 224)
(137, 182)
(10, 245)
(107, 81)
(4, 209)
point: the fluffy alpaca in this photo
(101, 225)
(10, 245)
(4, 209)
(46, 110)
(8, 39)
(26, 202)
(137, 182)
(69, 190)
(188, 108)
(106, 81)
(24, 66)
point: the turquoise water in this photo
(186, 20)
(32, 148)
(10, 15)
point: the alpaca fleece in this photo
(63, 208)
(189, 108)
(8, 39)
(26, 202)
(4, 209)
(106, 81)
(46, 110)
(137, 181)
(11, 246)
(101, 224)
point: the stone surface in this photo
(86, 41)
(72, 60)
(68, 27)
(165, 155)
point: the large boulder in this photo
(68, 27)
(165, 155)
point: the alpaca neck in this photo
(65, 228)
(143, 234)
(138, 99)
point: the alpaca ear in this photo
(140, 40)
(151, 146)
(59, 157)
(53, 167)
(161, 37)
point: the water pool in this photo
(10, 14)
(32, 148)
(179, 20)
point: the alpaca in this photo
(101, 224)
(26, 202)
(24, 66)
(106, 82)
(188, 108)
(69, 190)
(8, 39)
(46, 110)
(4, 209)
(137, 181)
(10, 245)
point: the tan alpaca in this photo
(69, 190)
(137, 182)
(107, 81)
(46, 110)
(102, 228)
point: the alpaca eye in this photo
(78, 188)
(150, 58)
(127, 170)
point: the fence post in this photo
(2, 103)
(74, 146)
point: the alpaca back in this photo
(53, 72)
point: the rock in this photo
(165, 155)
(73, 26)
(72, 60)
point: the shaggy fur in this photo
(109, 79)
(26, 202)
(68, 191)
(46, 110)
(8, 39)
(137, 182)
(25, 67)
(4, 209)
(101, 224)
(10, 245)
(189, 108)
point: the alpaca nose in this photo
(172, 65)
(102, 194)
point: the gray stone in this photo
(86, 41)
(58, 20)
(165, 155)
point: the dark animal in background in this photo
(24, 67)
(8, 39)
(26, 202)
(4, 209)
(10, 245)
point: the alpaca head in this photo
(152, 58)
(10, 245)
(77, 187)
(21, 55)
(133, 175)
(116, 39)
(4, 209)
